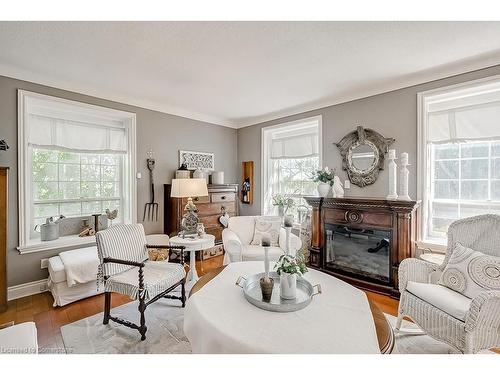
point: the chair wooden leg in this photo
(142, 309)
(183, 293)
(107, 307)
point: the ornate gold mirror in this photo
(363, 153)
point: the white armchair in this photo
(238, 236)
(469, 325)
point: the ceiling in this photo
(241, 73)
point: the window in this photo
(459, 155)
(75, 160)
(291, 152)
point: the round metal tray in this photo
(253, 294)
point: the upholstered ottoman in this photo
(65, 291)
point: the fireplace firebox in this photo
(362, 240)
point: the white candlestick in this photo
(393, 172)
(287, 242)
(403, 178)
(266, 261)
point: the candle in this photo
(392, 154)
(288, 221)
(266, 240)
(404, 158)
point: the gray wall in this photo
(165, 134)
(394, 114)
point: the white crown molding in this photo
(440, 72)
(27, 289)
(446, 71)
(33, 77)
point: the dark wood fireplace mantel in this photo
(395, 218)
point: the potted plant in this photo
(283, 202)
(289, 267)
(325, 178)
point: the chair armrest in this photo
(417, 270)
(485, 311)
(124, 262)
(232, 245)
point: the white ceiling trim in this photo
(34, 77)
(441, 72)
(446, 71)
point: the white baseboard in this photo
(28, 289)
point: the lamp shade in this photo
(189, 187)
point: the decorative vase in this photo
(324, 189)
(266, 287)
(217, 177)
(288, 285)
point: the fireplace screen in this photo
(361, 252)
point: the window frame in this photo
(424, 167)
(128, 186)
(265, 133)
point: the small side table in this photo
(193, 245)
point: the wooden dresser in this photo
(221, 198)
(362, 240)
(3, 237)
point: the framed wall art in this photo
(197, 160)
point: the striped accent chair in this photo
(125, 269)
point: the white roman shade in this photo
(72, 129)
(301, 142)
(464, 118)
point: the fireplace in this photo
(363, 253)
(361, 240)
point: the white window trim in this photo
(422, 157)
(129, 121)
(264, 152)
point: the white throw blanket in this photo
(80, 265)
(218, 319)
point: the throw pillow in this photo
(268, 225)
(470, 272)
(158, 255)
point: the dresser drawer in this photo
(196, 200)
(223, 197)
(207, 209)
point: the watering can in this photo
(48, 231)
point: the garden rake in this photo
(151, 208)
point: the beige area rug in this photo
(165, 334)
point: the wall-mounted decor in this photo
(247, 182)
(197, 160)
(363, 153)
(3, 145)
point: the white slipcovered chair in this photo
(125, 269)
(239, 234)
(469, 325)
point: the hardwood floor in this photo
(49, 319)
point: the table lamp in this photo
(189, 188)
